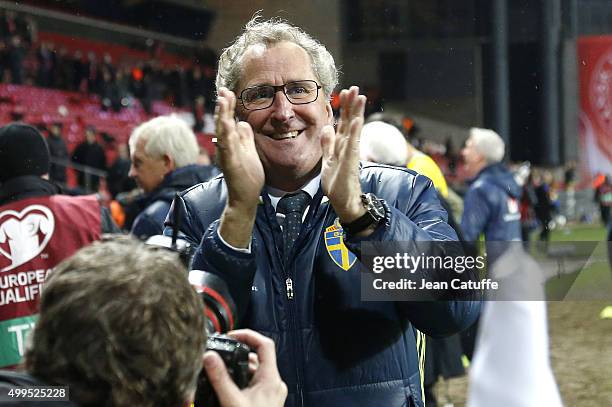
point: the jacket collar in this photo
(489, 169)
(311, 188)
(27, 186)
(176, 181)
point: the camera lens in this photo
(219, 308)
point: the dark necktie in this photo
(292, 206)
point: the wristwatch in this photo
(375, 213)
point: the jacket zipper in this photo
(289, 284)
(293, 328)
(294, 340)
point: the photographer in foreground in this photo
(120, 325)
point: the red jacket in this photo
(35, 235)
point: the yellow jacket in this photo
(423, 164)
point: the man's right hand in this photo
(242, 169)
(266, 387)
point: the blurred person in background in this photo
(38, 228)
(118, 179)
(491, 204)
(46, 65)
(63, 72)
(164, 154)
(15, 57)
(120, 325)
(92, 76)
(543, 205)
(78, 71)
(59, 152)
(528, 218)
(569, 182)
(91, 154)
(603, 198)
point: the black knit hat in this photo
(23, 151)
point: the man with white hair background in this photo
(164, 153)
(383, 143)
(491, 202)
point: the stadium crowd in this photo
(27, 59)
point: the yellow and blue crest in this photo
(336, 248)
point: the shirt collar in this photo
(310, 188)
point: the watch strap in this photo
(366, 220)
(360, 224)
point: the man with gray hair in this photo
(164, 153)
(383, 143)
(491, 204)
(283, 226)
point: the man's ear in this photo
(330, 113)
(169, 163)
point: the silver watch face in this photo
(374, 207)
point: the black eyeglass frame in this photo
(276, 89)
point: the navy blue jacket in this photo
(491, 206)
(333, 349)
(150, 221)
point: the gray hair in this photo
(489, 144)
(268, 33)
(167, 135)
(384, 144)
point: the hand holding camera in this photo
(265, 388)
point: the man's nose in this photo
(282, 109)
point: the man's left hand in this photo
(340, 169)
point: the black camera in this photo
(235, 355)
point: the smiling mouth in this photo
(285, 136)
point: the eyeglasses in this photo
(297, 93)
